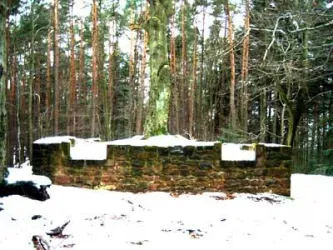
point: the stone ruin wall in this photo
(179, 169)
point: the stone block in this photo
(110, 152)
(188, 150)
(177, 150)
(205, 165)
(259, 172)
(138, 163)
(195, 157)
(63, 180)
(163, 152)
(110, 163)
(200, 173)
(177, 159)
(184, 171)
(236, 175)
(238, 164)
(279, 172)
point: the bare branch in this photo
(312, 28)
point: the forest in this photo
(241, 71)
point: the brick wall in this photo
(183, 169)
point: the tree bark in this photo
(141, 92)
(56, 82)
(82, 85)
(183, 91)
(48, 82)
(72, 99)
(199, 124)
(94, 97)
(245, 69)
(159, 94)
(263, 115)
(109, 104)
(31, 82)
(193, 85)
(132, 66)
(233, 113)
(174, 104)
(3, 69)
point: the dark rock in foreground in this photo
(26, 189)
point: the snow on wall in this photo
(81, 149)
(54, 140)
(160, 141)
(93, 149)
(237, 152)
(88, 150)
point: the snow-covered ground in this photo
(155, 220)
(117, 220)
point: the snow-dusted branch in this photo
(288, 15)
(312, 28)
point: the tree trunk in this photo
(31, 82)
(183, 91)
(13, 101)
(263, 115)
(82, 86)
(174, 104)
(199, 126)
(193, 85)
(18, 110)
(94, 97)
(109, 103)
(233, 113)
(159, 94)
(56, 69)
(72, 99)
(141, 92)
(3, 70)
(36, 99)
(48, 83)
(245, 69)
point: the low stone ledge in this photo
(181, 169)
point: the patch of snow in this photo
(161, 141)
(127, 141)
(24, 165)
(88, 149)
(25, 175)
(156, 220)
(97, 139)
(54, 140)
(272, 4)
(314, 188)
(234, 152)
(273, 145)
